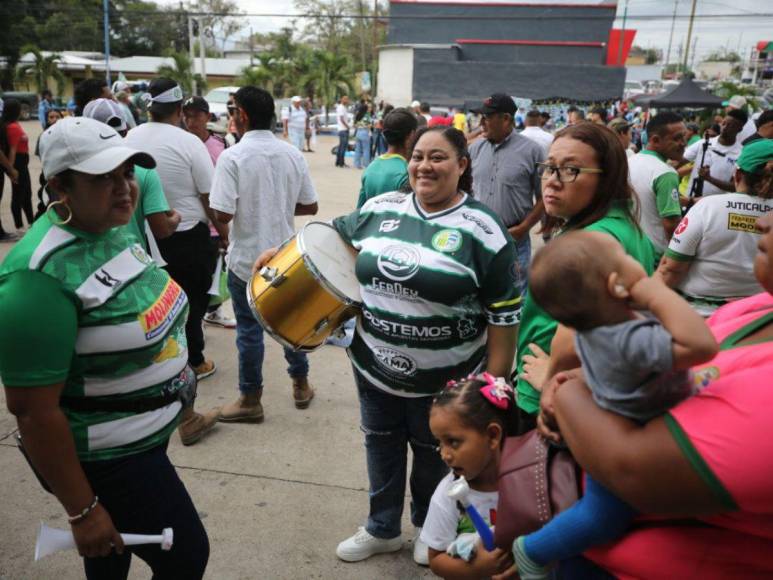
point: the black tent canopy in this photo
(685, 94)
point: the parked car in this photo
(29, 103)
(632, 89)
(218, 101)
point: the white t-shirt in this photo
(657, 187)
(749, 129)
(720, 158)
(259, 180)
(719, 238)
(540, 136)
(183, 164)
(341, 117)
(295, 117)
(444, 520)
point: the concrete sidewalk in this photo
(276, 498)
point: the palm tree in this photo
(330, 75)
(42, 68)
(274, 73)
(180, 72)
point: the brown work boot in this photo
(302, 392)
(246, 410)
(193, 426)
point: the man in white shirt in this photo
(737, 102)
(719, 162)
(186, 170)
(342, 126)
(260, 184)
(534, 131)
(656, 183)
(296, 122)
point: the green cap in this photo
(755, 155)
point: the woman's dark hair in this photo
(458, 141)
(259, 106)
(475, 410)
(398, 125)
(162, 111)
(760, 184)
(362, 108)
(613, 187)
(11, 114)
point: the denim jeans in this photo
(523, 256)
(390, 424)
(362, 148)
(143, 495)
(343, 146)
(249, 342)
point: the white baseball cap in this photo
(106, 111)
(296, 99)
(737, 102)
(88, 146)
(415, 104)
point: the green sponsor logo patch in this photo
(447, 240)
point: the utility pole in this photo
(671, 36)
(622, 35)
(374, 26)
(191, 53)
(252, 50)
(202, 51)
(689, 37)
(692, 57)
(106, 20)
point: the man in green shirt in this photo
(389, 172)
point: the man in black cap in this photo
(196, 117)
(504, 176)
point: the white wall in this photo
(395, 75)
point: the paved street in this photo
(276, 498)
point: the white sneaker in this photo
(217, 318)
(420, 550)
(362, 546)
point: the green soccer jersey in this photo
(151, 200)
(94, 312)
(388, 172)
(430, 284)
(538, 327)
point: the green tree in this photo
(330, 75)
(723, 55)
(727, 89)
(221, 20)
(180, 72)
(42, 68)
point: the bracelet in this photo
(86, 511)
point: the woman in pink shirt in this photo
(706, 467)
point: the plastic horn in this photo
(52, 540)
(458, 491)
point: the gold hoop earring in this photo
(59, 222)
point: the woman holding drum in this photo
(439, 301)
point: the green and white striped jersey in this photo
(95, 312)
(430, 284)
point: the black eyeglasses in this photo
(231, 109)
(566, 174)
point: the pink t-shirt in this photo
(727, 433)
(215, 146)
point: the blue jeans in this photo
(143, 495)
(362, 148)
(390, 424)
(249, 342)
(523, 256)
(343, 146)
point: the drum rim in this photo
(324, 282)
(273, 334)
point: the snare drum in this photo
(308, 289)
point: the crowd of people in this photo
(639, 335)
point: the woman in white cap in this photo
(94, 359)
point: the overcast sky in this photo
(736, 33)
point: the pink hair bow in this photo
(496, 391)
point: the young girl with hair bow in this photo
(470, 420)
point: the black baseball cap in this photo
(196, 102)
(497, 103)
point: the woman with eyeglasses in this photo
(584, 187)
